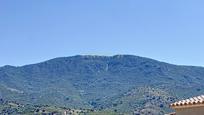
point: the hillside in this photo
(122, 83)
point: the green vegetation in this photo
(121, 84)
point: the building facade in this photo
(191, 106)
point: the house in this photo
(191, 106)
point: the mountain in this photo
(121, 83)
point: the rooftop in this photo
(191, 102)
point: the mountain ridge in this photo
(92, 56)
(123, 83)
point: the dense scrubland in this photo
(121, 84)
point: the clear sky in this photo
(36, 30)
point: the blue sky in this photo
(36, 30)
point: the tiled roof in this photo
(199, 100)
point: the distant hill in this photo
(120, 83)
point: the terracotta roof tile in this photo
(190, 101)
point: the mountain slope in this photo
(105, 83)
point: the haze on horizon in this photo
(166, 30)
